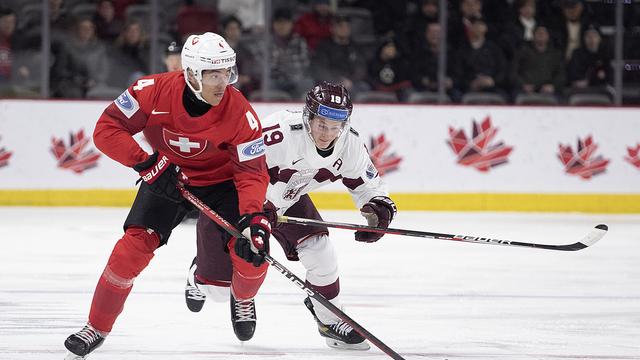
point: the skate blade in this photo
(341, 345)
(72, 356)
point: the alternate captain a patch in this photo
(183, 145)
(127, 104)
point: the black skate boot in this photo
(243, 318)
(339, 335)
(193, 296)
(83, 342)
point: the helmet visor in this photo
(217, 76)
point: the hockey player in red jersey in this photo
(205, 135)
(305, 151)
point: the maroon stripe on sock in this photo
(204, 281)
(328, 291)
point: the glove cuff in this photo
(147, 163)
(387, 203)
(246, 219)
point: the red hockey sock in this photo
(246, 278)
(129, 257)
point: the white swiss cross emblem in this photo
(183, 145)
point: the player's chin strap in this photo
(197, 93)
(289, 275)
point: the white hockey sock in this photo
(324, 315)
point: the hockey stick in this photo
(289, 275)
(591, 238)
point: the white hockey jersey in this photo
(296, 168)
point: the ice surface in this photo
(426, 299)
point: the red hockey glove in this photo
(379, 212)
(161, 177)
(257, 228)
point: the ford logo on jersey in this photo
(333, 114)
(124, 101)
(254, 148)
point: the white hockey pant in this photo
(213, 292)
(318, 256)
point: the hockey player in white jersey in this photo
(305, 150)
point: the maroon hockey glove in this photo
(161, 177)
(257, 228)
(379, 212)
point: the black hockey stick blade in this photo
(594, 235)
(289, 275)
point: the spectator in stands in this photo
(417, 23)
(389, 16)
(249, 69)
(339, 60)
(570, 31)
(590, 66)
(250, 11)
(7, 31)
(172, 60)
(81, 64)
(289, 57)
(424, 67)
(60, 22)
(315, 26)
(389, 70)
(15, 73)
(193, 18)
(481, 65)
(108, 27)
(539, 67)
(519, 31)
(460, 23)
(120, 7)
(131, 54)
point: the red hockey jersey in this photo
(223, 144)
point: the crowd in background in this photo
(382, 50)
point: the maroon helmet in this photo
(331, 102)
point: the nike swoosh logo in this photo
(154, 112)
(296, 161)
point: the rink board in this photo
(512, 164)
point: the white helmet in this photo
(208, 51)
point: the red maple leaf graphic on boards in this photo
(74, 157)
(384, 163)
(4, 156)
(634, 155)
(582, 162)
(477, 151)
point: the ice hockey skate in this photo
(339, 335)
(83, 342)
(243, 318)
(192, 295)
